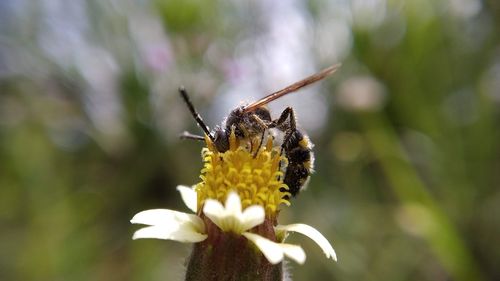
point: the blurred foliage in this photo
(407, 152)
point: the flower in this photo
(183, 227)
(240, 238)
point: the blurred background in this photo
(406, 133)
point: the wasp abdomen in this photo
(298, 151)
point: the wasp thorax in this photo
(248, 124)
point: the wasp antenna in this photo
(195, 114)
(188, 136)
(294, 87)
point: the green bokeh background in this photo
(407, 154)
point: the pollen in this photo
(251, 170)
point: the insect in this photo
(253, 120)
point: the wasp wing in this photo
(292, 88)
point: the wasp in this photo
(254, 120)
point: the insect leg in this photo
(287, 114)
(263, 126)
(260, 144)
(195, 114)
(288, 129)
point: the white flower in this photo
(182, 227)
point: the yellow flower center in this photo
(254, 175)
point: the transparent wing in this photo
(294, 87)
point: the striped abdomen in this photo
(298, 151)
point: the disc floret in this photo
(253, 172)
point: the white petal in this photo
(253, 216)
(168, 224)
(275, 252)
(189, 196)
(294, 252)
(182, 233)
(230, 217)
(163, 216)
(233, 204)
(271, 250)
(312, 233)
(151, 217)
(214, 210)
